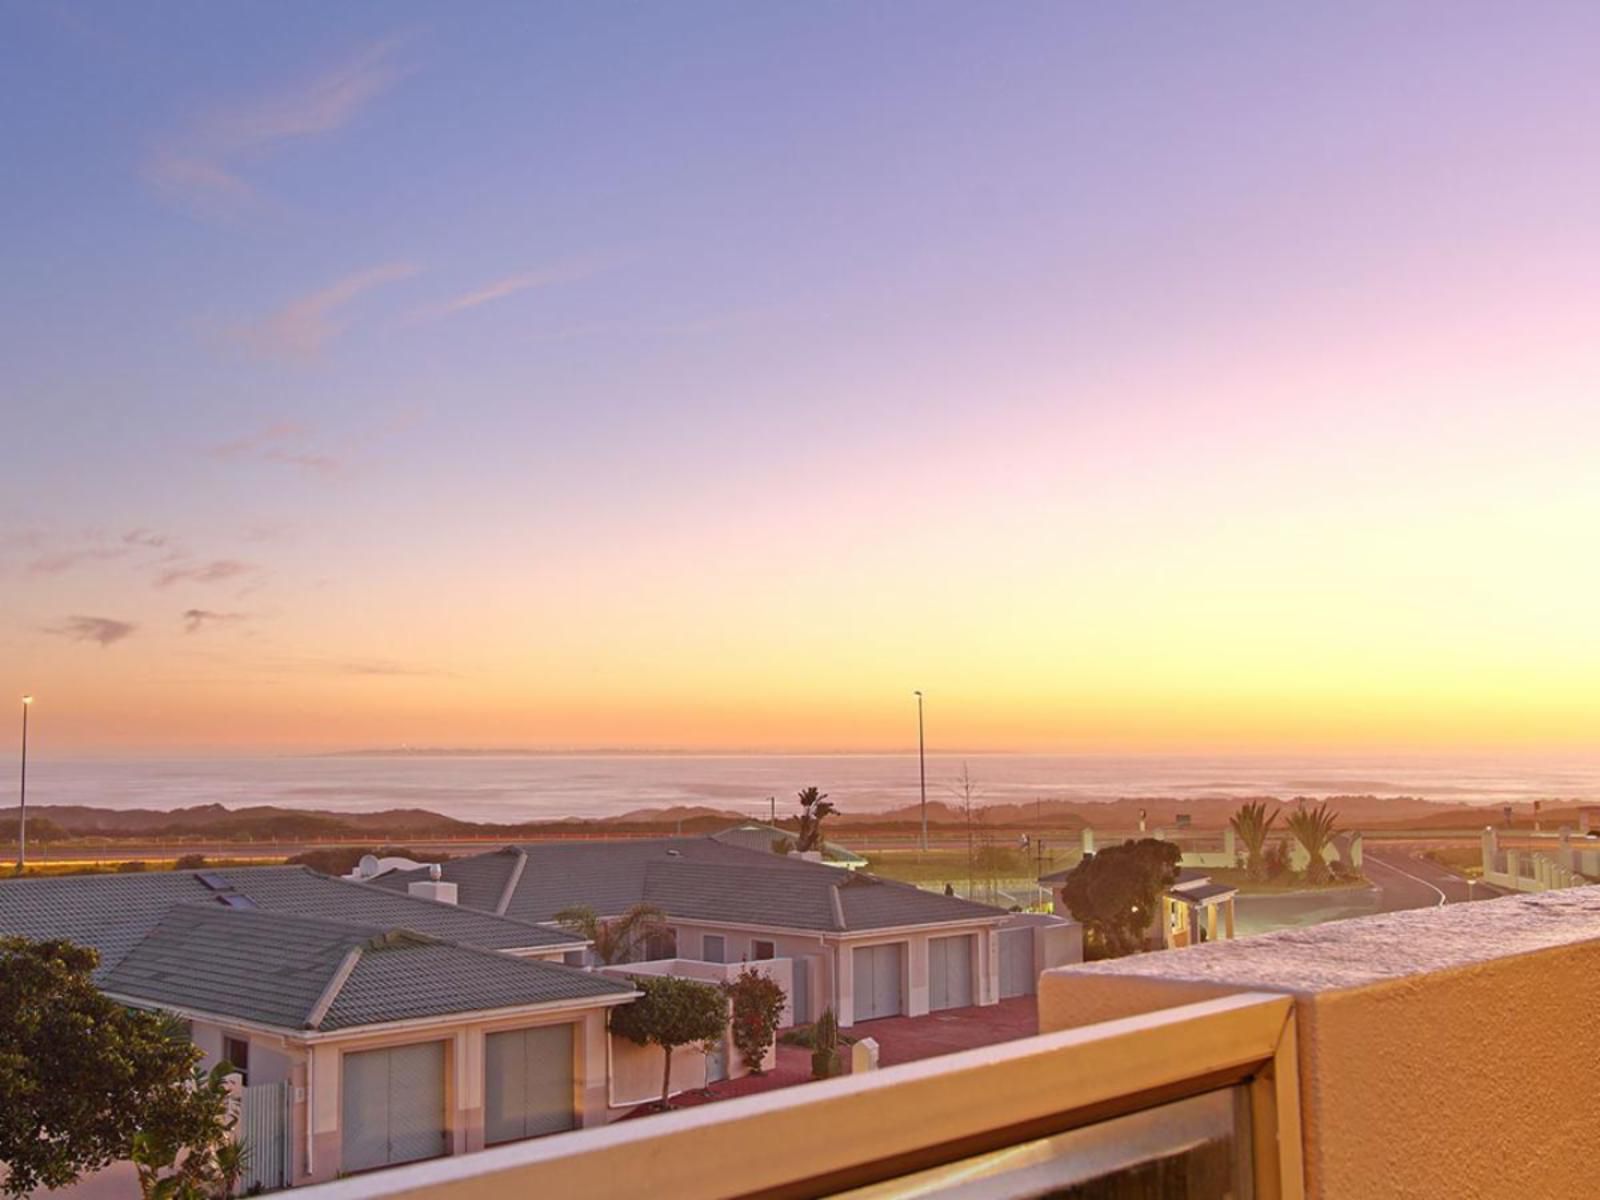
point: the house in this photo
(1193, 909)
(867, 947)
(370, 1027)
(1377, 1058)
(755, 836)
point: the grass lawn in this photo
(1465, 861)
(949, 865)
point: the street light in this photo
(22, 792)
(922, 771)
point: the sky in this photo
(1156, 378)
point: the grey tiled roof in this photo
(412, 978)
(113, 912)
(286, 971)
(760, 837)
(694, 878)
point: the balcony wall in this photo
(1442, 1052)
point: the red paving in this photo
(900, 1040)
(907, 1039)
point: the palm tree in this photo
(1313, 829)
(814, 805)
(614, 941)
(1251, 825)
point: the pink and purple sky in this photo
(1128, 377)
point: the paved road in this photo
(1407, 880)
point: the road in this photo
(1407, 880)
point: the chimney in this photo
(433, 888)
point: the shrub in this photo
(130, 868)
(825, 1046)
(190, 862)
(1276, 860)
(758, 1002)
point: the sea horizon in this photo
(516, 786)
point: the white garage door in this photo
(877, 980)
(950, 972)
(392, 1106)
(1017, 977)
(527, 1083)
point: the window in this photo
(714, 948)
(760, 950)
(1199, 1148)
(237, 1051)
(575, 958)
(661, 945)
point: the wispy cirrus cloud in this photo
(204, 166)
(55, 554)
(218, 570)
(378, 667)
(103, 631)
(196, 620)
(511, 285)
(60, 561)
(286, 442)
(497, 290)
(302, 328)
(146, 539)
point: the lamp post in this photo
(922, 772)
(22, 792)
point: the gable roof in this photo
(753, 835)
(691, 878)
(112, 913)
(309, 973)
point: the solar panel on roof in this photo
(213, 881)
(234, 900)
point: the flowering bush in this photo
(758, 1002)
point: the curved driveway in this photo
(1407, 880)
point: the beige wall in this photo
(1443, 1053)
(636, 1070)
(636, 1073)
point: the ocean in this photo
(536, 787)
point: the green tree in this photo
(1313, 828)
(814, 806)
(83, 1078)
(1252, 825)
(614, 941)
(757, 1001)
(1114, 893)
(672, 1012)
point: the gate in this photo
(264, 1129)
(1017, 977)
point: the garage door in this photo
(393, 1106)
(1017, 977)
(950, 972)
(877, 980)
(527, 1083)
